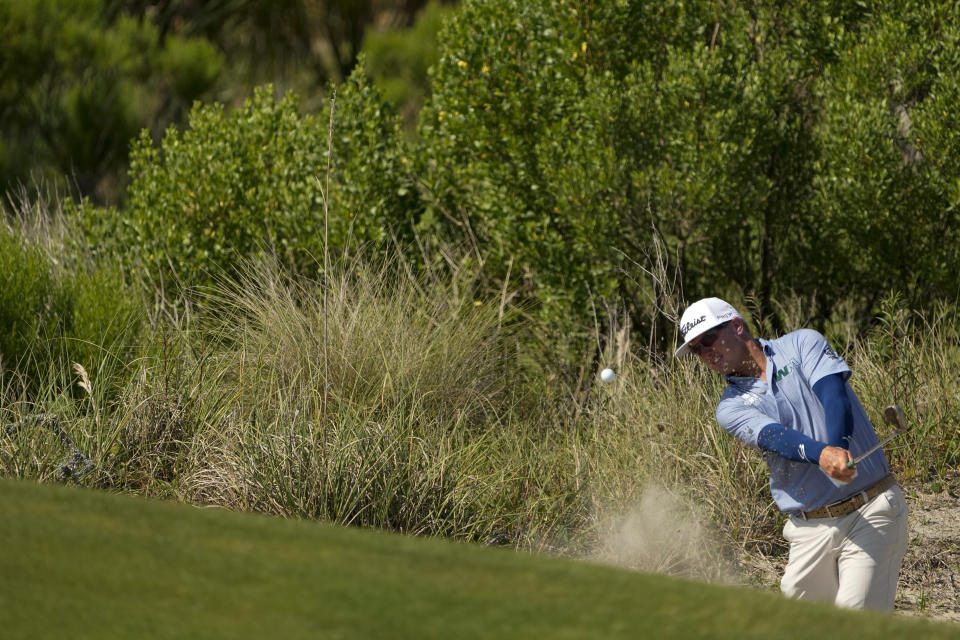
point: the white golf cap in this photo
(700, 317)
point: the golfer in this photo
(789, 397)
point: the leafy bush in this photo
(566, 143)
(755, 143)
(230, 184)
(889, 183)
(243, 183)
(373, 197)
(518, 148)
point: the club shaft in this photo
(873, 448)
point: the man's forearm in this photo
(790, 443)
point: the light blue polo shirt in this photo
(795, 363)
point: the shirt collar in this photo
(767, 347)
(745, 382)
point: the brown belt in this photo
(851, 504)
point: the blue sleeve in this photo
(838, 412)
(790, 443)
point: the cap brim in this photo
(684, 350)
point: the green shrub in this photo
(519, 150)
(230, 184)
(29, 306)
(572, 137)
(249, 182)
(754, 147)
(889, 184)
(373, 195)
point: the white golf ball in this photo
(607, 375)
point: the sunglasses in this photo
(708, 338)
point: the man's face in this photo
(720, 348)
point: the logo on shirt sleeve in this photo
(830, 353)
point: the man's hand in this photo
(833, 461)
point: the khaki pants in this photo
(853, 561)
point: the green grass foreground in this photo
(88, 564)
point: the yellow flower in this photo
(477, 303)
(462, 64)
(484, 69)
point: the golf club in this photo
(891, 415)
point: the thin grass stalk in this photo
(326, 252)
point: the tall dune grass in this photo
(377, 398)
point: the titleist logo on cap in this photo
(690, 325)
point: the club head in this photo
(894, 415)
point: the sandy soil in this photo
(930, 578)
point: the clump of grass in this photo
(911, 358)
(411, 426)
(59, 304)
(368, 438)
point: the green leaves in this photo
(251, 181)
(375, 195)
(766, 143)
(517, 142)
(77, 87)
(230, 184)
(768, 149)
(889, 154)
